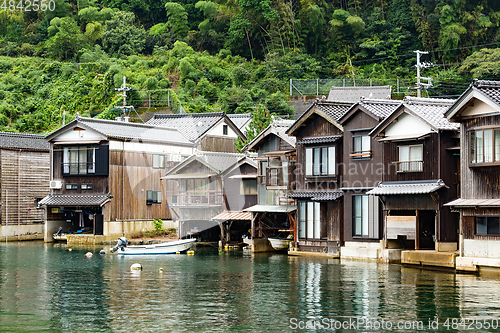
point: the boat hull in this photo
(180, 246)
(280, 244)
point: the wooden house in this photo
(478, 112)
(419, 146)
(208, 131)
(24, 181)
(105, 177)
(274, 213)
(195, 192)
(363, 169)
(318, 177)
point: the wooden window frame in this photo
(244, 184)
(160, 164)
(327, 171)
(90, 167)
(225, 130)
(472, 147)
(315, 219)
(361, 154)
(398, 162)
(486, 217)
(363, 212)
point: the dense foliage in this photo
(229, 55)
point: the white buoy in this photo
(70, 249)
(136, 267)
(88, 255)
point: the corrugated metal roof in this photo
(319, 139)
(271, 209)
(474, 203)
(23, 141)
(410, 187)
(192, 125)
(233, 216)
(317, 195)
(125, 130)
(432, 111)
(75, 200)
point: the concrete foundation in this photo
(390, 256)
(294, 252)
(360, 250)
(429, 258)
(476, 265)
(446, 247)
(22, 232)
(261, 245)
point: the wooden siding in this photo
(217, 144)
(375, 222)
(469, 222)
(25, 179)
(477, 182)
(232, 198)
(333, 220)
(269, 143)
(316, 125)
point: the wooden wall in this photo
(232, 198)
(217, 144)
(25, 179)
(469, 222)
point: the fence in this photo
(322, 86)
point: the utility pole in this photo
(422, 65)
(125, 107)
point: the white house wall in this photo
(407, 124)
(481, 248)
(478, 108)
(151, 148)
(83, 135)
(218, 131)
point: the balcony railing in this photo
(202, 198)
(360, 154)
(78, 168)
(410, 166)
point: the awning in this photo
(317, 195)
(278, 152)
(410, 187)
(75, 200)
(248, 176)
(271, 209)
(189, 176)
(474, 203)
(319, 139)
(404, 137)
(234, 216)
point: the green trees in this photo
(121, 36)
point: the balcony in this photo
(195, 199)
(409, 166)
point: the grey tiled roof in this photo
(191, 125)
(319, 139)
(74, 200)
(489, 88)
(432, 111)
(316, 195)
(219, 162)
(23, 141)
(276, 127)
(380, 107)
(240, 119)
(335, 109)
(409, 187)
(124, 130)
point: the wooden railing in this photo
(360, 154)
(202, 198)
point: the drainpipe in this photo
(19, 194)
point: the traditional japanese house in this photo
(208, 131)
(318, 177)
(239, 192)
(420, 146)
(274, 213)
(24, 181)
(363, 169)
(195, 192)
(105, 177)
(241, 120)
(478, 112)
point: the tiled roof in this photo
(381, 108)
(23, 141)
(191, 125)
(276, 127)
(316, 195)
(474, 203)
(335, 109)
(489, 88)
(75, 200)
(219, 162)
(240, 119)
(319, 139)
(432, 111)
(125, 130)
(409, 187)
(233, 216)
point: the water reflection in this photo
(47, 288)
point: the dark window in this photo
(153, 197)
(79, 160)
(488, 225)
(87, 186)
(320, 161)
(360, 215)
(224, 129)
(71, 186)
(484, 146)
(361, 147)
(159, 161)
(248, 187)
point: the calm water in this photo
(44, 287)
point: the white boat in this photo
(280, 243)
(246, 240)
(181, 246)
(60, 237)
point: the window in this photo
(153, 197)
(87, 186)
(361, 147)
(79, 160)
(309, 220)
(484, 146)
(248, 187)
(320, 161)
(224, 129)
(71, 186)
(360, 215)
(262, 172)
(488, 225)
(158, 161)
(410, 158)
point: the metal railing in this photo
(409, 166)
(78, 168)
(197, 198)
(323, 86)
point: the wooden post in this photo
(417, 231)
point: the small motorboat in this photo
(280, 244)
(179, 246)
(60, 237)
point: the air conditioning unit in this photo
(55, 184)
